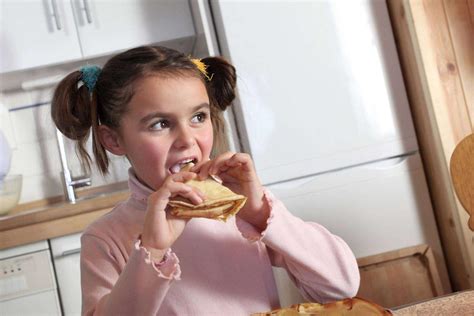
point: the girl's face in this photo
(167, 124)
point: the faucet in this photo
(69, 182)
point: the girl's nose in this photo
(184, 137)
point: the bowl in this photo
(10, 189)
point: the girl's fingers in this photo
(240, 159)
(173, 186)
(161, 229)
(192, 196)
(223, 163)
(203, 169)
(186, 176)
(186, 191)
(198, 166)
(182, 176)
(199, 193)
(212, 166)
(219, 162)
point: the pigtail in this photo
(71, 112)
(220, 84)
(100, 154)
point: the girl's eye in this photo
(199, 117)
(160, 125)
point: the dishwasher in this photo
(27, 281)
(66, 255)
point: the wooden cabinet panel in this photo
(434, 40)
(399, 277)
(460, 18)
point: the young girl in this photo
(161, 109)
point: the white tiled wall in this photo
(31, 134)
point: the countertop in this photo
(457, 303)
(54, 217)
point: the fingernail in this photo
(216, 178)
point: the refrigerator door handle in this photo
(388, 163)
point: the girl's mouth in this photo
(180, 164)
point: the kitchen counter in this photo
(457, 303)
(54, 217)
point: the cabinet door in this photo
(107, 26)
(35, 33)
(66, 254)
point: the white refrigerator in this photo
(322, 109)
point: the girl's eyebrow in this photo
(200, 107)
(153, 115)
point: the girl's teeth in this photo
(176, 168)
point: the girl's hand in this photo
(238, 174)
(161, 229)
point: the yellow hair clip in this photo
(202, 68)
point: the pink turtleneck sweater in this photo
(214, 268)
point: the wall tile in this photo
(35, 153)
(31, 159)
(41, 95)
(14, 99)
(33, 124)
(6, 126)
(39, 187)
(118, 171)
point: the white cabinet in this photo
(38, 32)
(66, 255)
(108, 26)
(35, 33)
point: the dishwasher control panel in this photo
(26, 274)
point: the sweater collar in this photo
(139, 191)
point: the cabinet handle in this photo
(70, 252)
(88, 11)
(56, 16)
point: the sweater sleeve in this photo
(321, 264)
(138, 289)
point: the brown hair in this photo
(78, 112)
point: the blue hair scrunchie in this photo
(89, 76)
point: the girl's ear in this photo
(110, 139)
